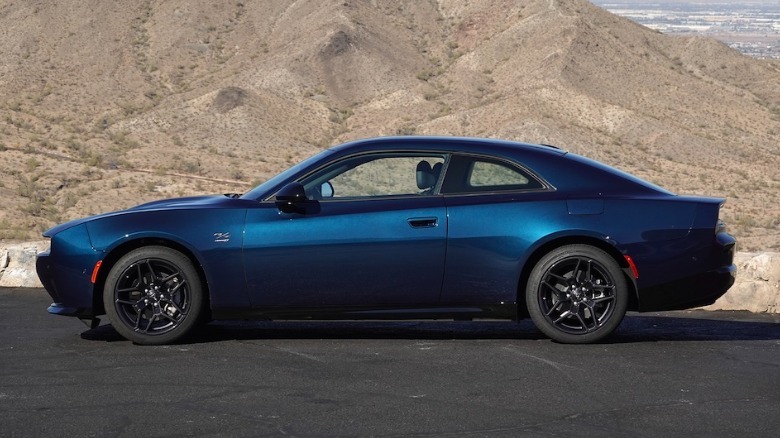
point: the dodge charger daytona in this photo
(400, 228)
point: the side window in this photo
(376, 175)
(484, 173)
(466, 174)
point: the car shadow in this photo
(636, 328)
(243, 330)
(697, 325)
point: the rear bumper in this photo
(697, 290)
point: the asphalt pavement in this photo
(663, 374)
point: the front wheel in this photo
(577, 294)
(153, 295)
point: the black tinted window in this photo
(476, 174)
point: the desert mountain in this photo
(107, 104)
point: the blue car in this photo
(400, 228)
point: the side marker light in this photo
(95, 271)
(632, 265)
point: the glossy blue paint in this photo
(488, 241)
(191, 225)
(585, 206)
(65, 270)
(350, 253)
(420, 254)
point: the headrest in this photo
(437, 171)
(425, 178)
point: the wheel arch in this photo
(557, 242)
(119, 251)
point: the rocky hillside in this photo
(107, 104)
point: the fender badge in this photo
(222, 237)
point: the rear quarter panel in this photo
(489, 239)
(669, 238)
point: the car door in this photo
(373, 235)
(495, 210)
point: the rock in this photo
(757, 288)
(19, 261)
(229, 98)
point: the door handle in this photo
(423, 222)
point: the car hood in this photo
(164, 204)
(189, 202)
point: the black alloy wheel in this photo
(153, 295)
(577, 294)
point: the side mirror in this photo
(292, 198)
(326, 190)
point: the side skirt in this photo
(498, 311)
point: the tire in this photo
(153, 295)
(577, 294)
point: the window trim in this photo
(512, 164)
(445, 155)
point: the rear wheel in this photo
(153, 295)
(577, 294)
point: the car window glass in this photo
(484, 173)
(467, 174)
(372, 176)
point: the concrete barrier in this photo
(757, 288)
(17, 264)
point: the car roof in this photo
(444, 143)
(567, 172)
(564, 170)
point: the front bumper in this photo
(72, 294)
(65, 271)
(59, 309)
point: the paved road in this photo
(674, 374)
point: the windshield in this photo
(272, 185)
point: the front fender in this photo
(212, 238)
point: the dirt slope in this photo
(107, 104)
